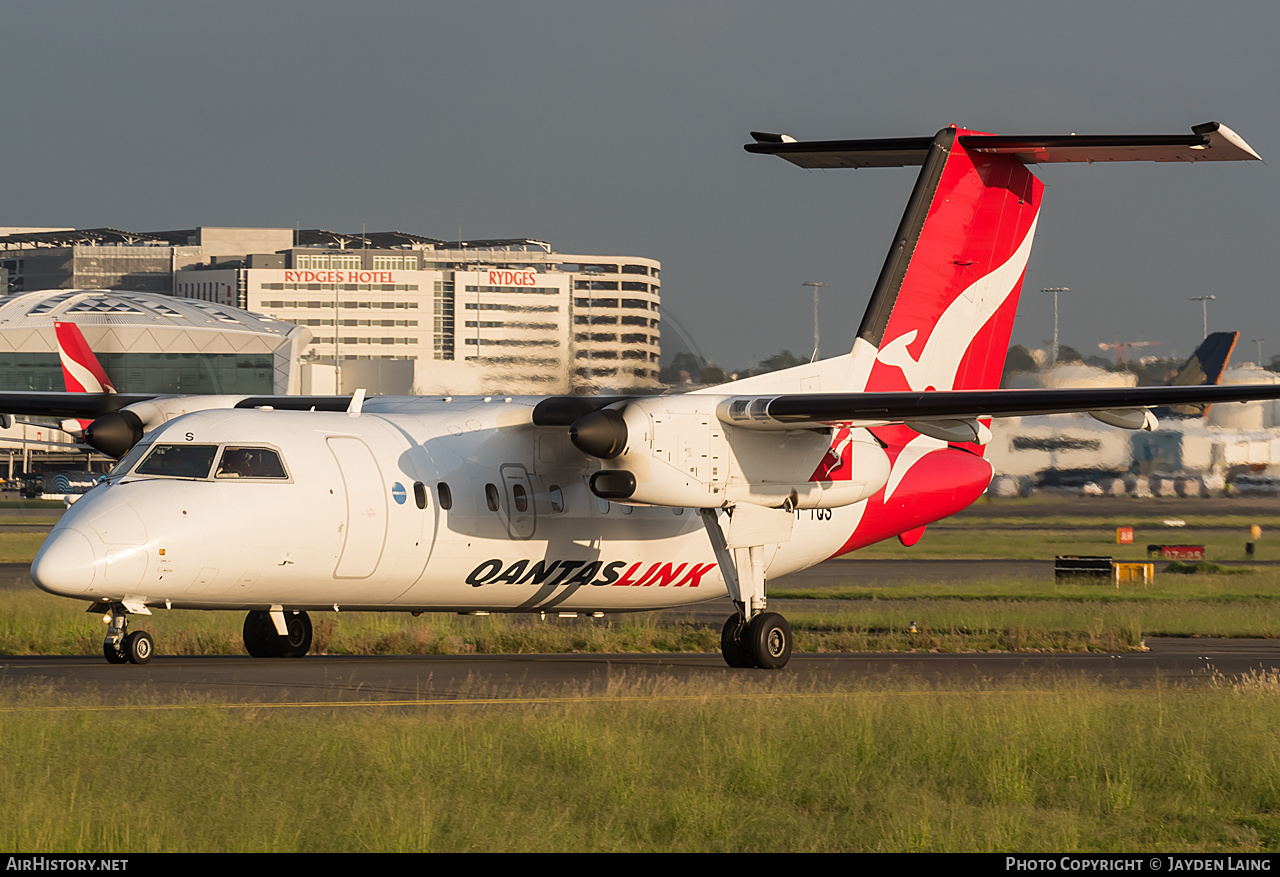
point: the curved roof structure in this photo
(122, 308)
(123, 322)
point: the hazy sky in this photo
(617, 128)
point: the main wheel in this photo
(113, 654)
(262, 641)
(768, 641)
(260, 634)
(139, 647)
(731, 643)
(296, 643)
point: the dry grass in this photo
(777, 765)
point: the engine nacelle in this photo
(673, 451)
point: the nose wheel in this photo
(120, 647)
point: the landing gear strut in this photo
(262, 638)
(120, 647)
(752, 637)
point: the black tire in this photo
(732, 643)
(768, 641)
(262, 641)
(139, 647)
(113, 654)
(260, 634)
(298, 641)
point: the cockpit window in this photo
(250, 463)
(179, 461)
(128, 460)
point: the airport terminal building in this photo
(147, 343)
(390, 312)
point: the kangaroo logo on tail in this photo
(81, 370)
(956, 328)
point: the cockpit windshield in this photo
(250, 463)
(178, 461)
(196, 461)
(128, 461)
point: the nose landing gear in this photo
(119, 647)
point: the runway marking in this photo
(600, 699)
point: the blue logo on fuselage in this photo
(397, 493)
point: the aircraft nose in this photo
(65, 564)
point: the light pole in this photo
(1053, 359)
(337, 354)
(1258, 341)
(1204, 302)
(817, 285)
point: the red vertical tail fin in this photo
(81, 371)
(942, 310)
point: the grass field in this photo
(1034, 542)
(1053, 765)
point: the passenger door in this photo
(366, 525)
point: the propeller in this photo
(114, 433)
(601, 434)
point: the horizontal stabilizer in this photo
(1210, 141)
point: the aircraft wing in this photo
(799, 411)
(49, 404)
(42, 404)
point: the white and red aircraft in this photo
(588, 505)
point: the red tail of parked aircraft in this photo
(81, 370)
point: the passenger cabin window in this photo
(250, 463)
(179, 461)
(420, 494)
(446, 496)
(557, 499)
(491, 497)
(520, 498)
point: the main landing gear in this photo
(764, 641)
(121, 647)
(752, 637)
(263, 637)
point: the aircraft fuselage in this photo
(341, 523)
